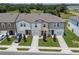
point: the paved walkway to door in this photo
(34, 45)
(63, 45)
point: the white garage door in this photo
(3, 31)
(35, 32)
(59, 32)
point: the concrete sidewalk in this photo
(34, 45)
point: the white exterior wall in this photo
(22, 29)
(75, 28)
(36, 30)
(57, 31)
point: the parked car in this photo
(18, 38)
(2, 36)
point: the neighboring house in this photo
(7, 23)
(73, 24)
(73, 7)
(32, 23)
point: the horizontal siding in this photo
(54, 26)
(36, 28)
(56, 31)
(75, 28)
(74, 22)
(6, 25)
(21, 29)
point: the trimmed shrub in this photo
(7, 37)
(24, 38)
(54, 38)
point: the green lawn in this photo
(6, 42)
(55, 50)
(70, 37)
(22, 49)
(36, 11)
(75, 11)
(12, 12)
(66, 16)
(1, 48)
(75, 51)
(49, 43)
(27, 43)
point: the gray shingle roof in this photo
(7, 17)
(31, 17)
(75, 18)
(36, 16)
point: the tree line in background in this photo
(55, 9)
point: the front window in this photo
(24, 25)
(9, 25)
(35, 25)
(44, 25)
(54, 25)
(21, 24)
(57, 24)
(77, 23)
(3, 25)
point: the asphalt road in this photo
(31, 53)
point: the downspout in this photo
(15, 22)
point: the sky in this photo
(39, 1)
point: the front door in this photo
(52, 32)
(26, 31)
(42, 32)
(11, 32)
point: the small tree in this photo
(24, 37)
(44, 37)
(20, 37)
(64, 34)
(54, 38)
(7, 37)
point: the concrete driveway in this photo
(63, 45)
(13, 47)
(34, 45)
